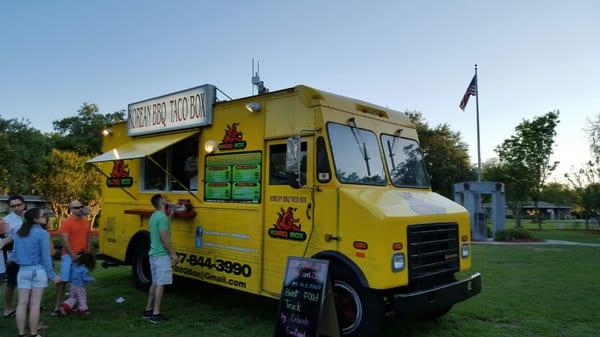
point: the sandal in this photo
(55, 313)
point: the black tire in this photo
(140, 265)
(360, 310)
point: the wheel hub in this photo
(349, 305)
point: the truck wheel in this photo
(140, 265)
(360, 309)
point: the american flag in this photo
(471, 91)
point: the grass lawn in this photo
(568, 230)
(527, 291)
(576, 235)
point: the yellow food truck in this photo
(295, 172)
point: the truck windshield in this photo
(356, 155)
(404, 161)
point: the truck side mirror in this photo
(292, 161)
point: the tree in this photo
(446, 155)
(593, 132)
(586, 190)
(586, 180)
(68, 177)
(591, 199)
(23, 154)
(82, 133)
(557, 193)
(527, 156)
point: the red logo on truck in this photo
(232, 138)
(287, 226)
(120, 169)
(119, 176)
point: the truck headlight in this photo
(465, 250)
(397, 262)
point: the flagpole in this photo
(478, 142)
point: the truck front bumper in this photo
(439, 298)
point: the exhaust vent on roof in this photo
(371, 110)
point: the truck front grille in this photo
(432, 250)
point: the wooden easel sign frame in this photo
(306, 306)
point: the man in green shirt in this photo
(162, 257)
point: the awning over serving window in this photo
(141, 147)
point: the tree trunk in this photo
(517, 214)
(95, 210)
(61, 211)
(587, 222)
(538, 215)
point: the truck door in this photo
(288, 212)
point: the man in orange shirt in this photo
(75, 234)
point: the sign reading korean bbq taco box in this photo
(180, 110)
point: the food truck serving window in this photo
(179, 160)
(233, 177)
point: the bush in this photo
(513, 234)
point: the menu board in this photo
(306, 306)
(233, 177)
(234, 158)
(218, 174)
(245, 191)
(246, 173)
(218, 191)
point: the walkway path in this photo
(545, 242)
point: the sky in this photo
(532, 56)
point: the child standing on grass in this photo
(80, 275)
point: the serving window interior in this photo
(180, 160)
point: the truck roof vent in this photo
(371, 110)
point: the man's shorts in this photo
(2, 264)
(12, 269)
(33, 276)
(65, 267)
(162, 272)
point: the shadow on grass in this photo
(193, 307)
(221, 298)
(229, 304)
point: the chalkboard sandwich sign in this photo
(306, 306)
